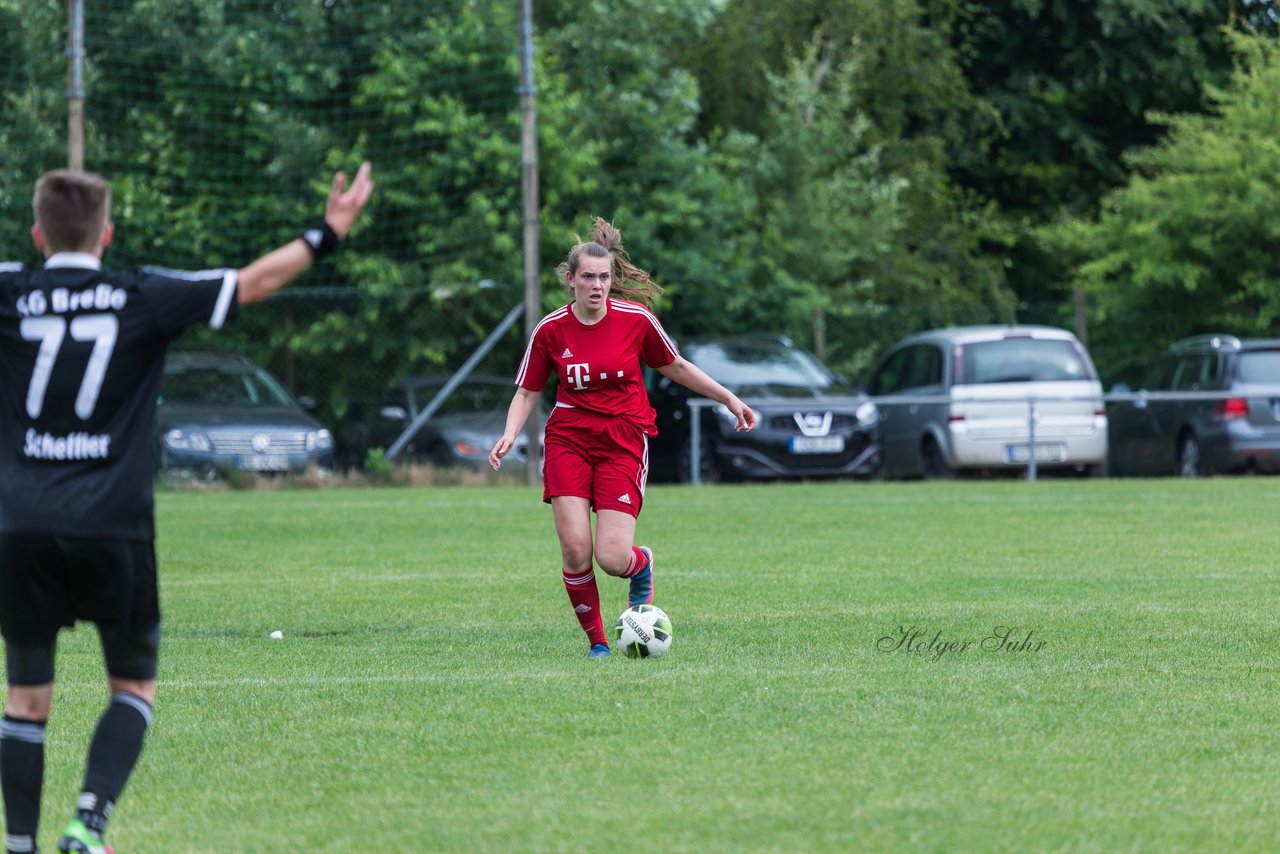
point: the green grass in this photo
(432, 692)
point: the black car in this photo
(460, 432)
(218, 413)
(1217, 409)
(809, 425)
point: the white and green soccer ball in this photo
(643, 631)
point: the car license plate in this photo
(816, 444)
(263, 462)
(1046, 452)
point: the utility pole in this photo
(529, 187)
(75, 85)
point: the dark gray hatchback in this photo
(220, 413)
(1218, 410)
(809, 424)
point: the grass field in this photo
(431, 691)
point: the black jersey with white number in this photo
(81, 356)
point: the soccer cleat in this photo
(598, 650)
(78, 839)
(641, 592)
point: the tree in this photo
(32, 114)
(615, 77)
(906, 101)
(1189, 244)
(1073, 85)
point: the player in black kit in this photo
(81, 355)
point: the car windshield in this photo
(466, 398)
(1260, 366)
(758, 364)
(210, 385)
(1023, 360)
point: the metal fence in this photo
(1032, 402)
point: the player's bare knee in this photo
(29, 702)
(143, 689)
(577, 561)
(612, 561)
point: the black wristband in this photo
(321, 238)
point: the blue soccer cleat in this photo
(598, 650)
(641, 592)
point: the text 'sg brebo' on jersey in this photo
(598, 364)
(81, 357)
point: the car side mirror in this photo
(308, 402)
(393, 413)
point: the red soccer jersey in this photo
(599, 365)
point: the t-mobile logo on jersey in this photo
(578, 374)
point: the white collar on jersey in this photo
(80, 260)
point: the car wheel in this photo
(1190, 463)
(933, 465)
(708, 471)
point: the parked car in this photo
(809, 424)
(220, 413)
(1236, 431)
(963, 402)
(460, 433)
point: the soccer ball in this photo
(643, 632)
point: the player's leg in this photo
(22, 736)
(573, 526)
(619, 497)
(566, 485)
(119, 580)
(32, 609)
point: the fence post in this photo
(695, 443)
(1031, 438)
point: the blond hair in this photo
(606, 242)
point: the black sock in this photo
(114, 751)
(21, 778)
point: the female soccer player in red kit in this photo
(597, 438)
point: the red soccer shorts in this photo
(598, 457)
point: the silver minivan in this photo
(983, 397)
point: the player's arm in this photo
(521, 406)
(696, 380)
(277, 268)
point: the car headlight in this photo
(187, 440)
(867, 413)
(319, 440)
(725, 415)
(467, 448)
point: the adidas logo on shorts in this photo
(625, 499)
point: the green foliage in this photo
(637, 159)
(1073, 85)
(1188, 245)
(844, 172)
(858, 108)
(33, 114)
(377, 466)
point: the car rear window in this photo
(1260, 366)
(1023, 360)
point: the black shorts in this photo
(48, 582)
